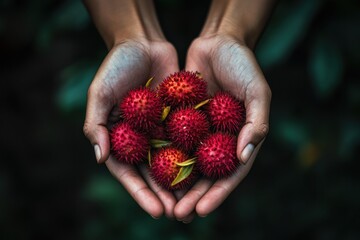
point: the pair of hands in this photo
(225, 64)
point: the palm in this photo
(129, 65)
(227, 65)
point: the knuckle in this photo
(87, 129)
(199, 46)
(91, 90)
(263, 130)
(91, 87)
(265, 91)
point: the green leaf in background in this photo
(295, 133)
(110, 195)
(75, 82)
(325, 66)
(71, 15)
(103, 189)
(287, 28)
(349, 138)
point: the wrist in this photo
(137, 31)
(120, 20)
(239, 36)
(139, 36)
(242, 20)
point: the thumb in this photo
(97, 112)
(257, 105)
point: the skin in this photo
(138, 50)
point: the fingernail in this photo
(246, 153)
(186, 222)
(97, 152)
(154, 217)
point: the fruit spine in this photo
(216, 156)
(128, 145)
(226, 113)
(183, 89)
(142, 109)
(171, 169)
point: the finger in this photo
(113, 74)
(221, 189)
(97, 112)
(179, 194)
(257, 104)
(167, 198)
(189, 218)
(129, 177)
(187, 204)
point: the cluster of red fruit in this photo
(180, 130)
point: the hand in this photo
(228, 64)
(128, 65)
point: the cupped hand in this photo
(128, 65)
(229, 65)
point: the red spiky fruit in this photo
(128, 145)
(164, 169)
(141, 108)
(186, 127)
(182, 89)
(226, 113)
(216, 156)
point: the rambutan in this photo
(216, 156)
(167, 170)
(186, 127)
(226, 113)
(141, 108)
(182, 89)
(128, 145)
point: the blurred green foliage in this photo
(70, 16)
(75, 81)
(287, 28)
(121, 217)
(325, 66)
(304, 184)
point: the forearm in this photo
(119, 20)
(242, 19)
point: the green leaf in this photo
(183, 174)
(165, 113)
(157, 143)
(325, 66)
(149, 82)
(199, 105)
(187, 162)
(149, 157)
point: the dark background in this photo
(304, 184)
